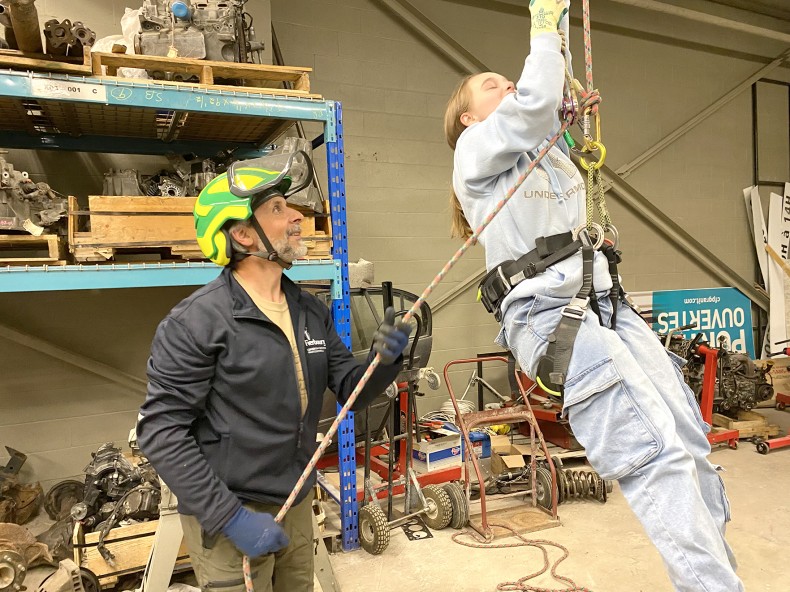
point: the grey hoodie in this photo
(492, 154)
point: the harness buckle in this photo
(576, 308)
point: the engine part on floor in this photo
(115, 488)
(66, 578)
(24, 20)
(59, 538)
(25, 205)
(740, 384)
(13, 570)
(19, 502)
(20, 540)
(61, 497)
(217, 30)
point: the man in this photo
(237, 375)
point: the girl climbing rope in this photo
(553, 285)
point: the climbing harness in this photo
(580, 106)
(587, 106)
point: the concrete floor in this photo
(609, 551)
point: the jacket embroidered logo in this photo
(314, 346)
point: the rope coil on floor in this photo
(589, 97)
(521, 584)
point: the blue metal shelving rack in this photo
(58, 112)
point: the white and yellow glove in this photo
(546, 15)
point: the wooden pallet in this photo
(25, 249)
(143, 228)
(41, 62)
(749, 424)
(131, 546)
(256, 77)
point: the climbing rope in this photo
(521, 584)
(589, 102)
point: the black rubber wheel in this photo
(460, 506)
(781, 406)
(543, 487)
(440, 508)
(89, 580)
(762, 448)
(374, 532)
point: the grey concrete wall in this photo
(654, 74)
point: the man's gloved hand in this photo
(255, 533)
(391, 338)
(546, 15)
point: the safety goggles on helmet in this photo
(285, 174)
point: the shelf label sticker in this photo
(65, 89)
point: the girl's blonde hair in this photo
(458, 104)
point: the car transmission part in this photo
(65, 38)
(211, 29)
(122, 182)
(19, 502)
(115, 487)
(25, 205)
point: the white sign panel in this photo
(65, 89)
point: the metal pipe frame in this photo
(707, 19)
(631, 198)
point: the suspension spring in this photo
(588, 484)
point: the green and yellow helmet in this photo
(236, 194)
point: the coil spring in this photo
(581, 485)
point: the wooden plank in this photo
(142, 230)
(19, 61)
(748, 423)
(11, 243)
(219, 69)
(131, 546)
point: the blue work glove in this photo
(255, 533)
(391, 338)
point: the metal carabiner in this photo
(581, 233)
(616, 235)
(589, 148)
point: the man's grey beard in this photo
(285, 250)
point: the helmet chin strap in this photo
(270, 254)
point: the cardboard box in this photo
(506, 456)
(437, 454)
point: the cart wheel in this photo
(542, 489)
(89, 580)
(460, 506)
(440, 508)
(374, 532)
(734, 444)
(762, 448)
(781, 406)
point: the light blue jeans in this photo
(629, 407)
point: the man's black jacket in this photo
(221, 423)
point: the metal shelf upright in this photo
(75, 113)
